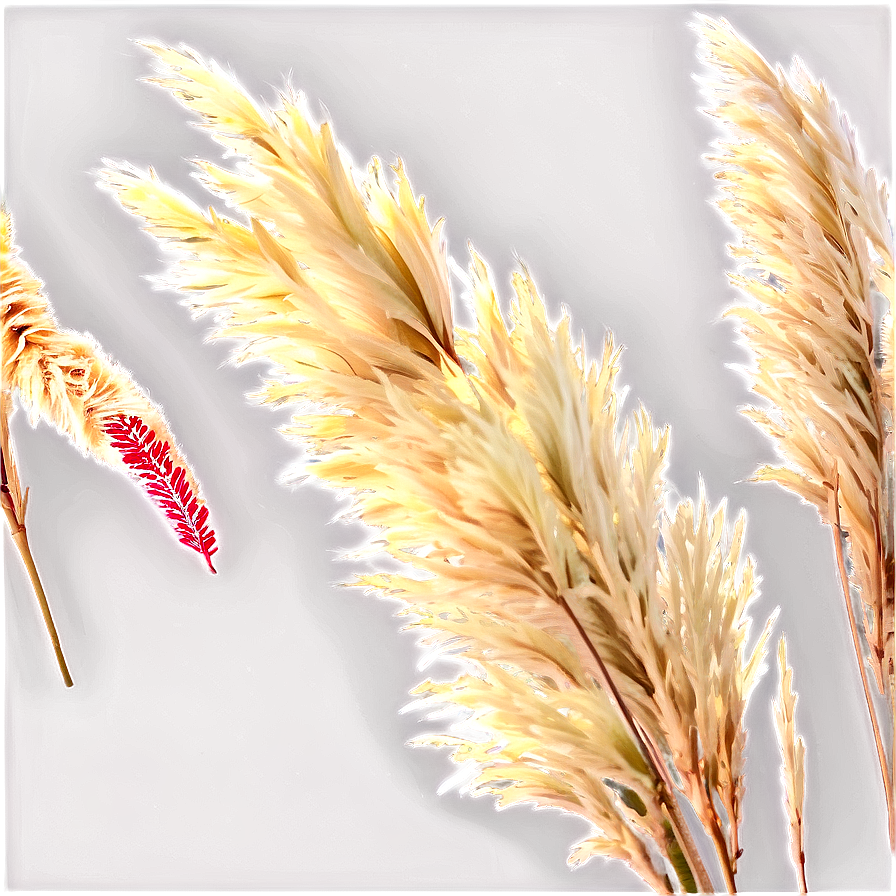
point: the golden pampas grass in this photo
(64, 378)
(815, 248)
(605, 641)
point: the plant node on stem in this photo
(14, 510)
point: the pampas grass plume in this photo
(814, 251)
(498, 462)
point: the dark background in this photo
(243, 730)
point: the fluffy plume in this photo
(815, 242)
(66, 379)
(793, 754)
(815, 247)
(494, 460)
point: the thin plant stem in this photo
(850, 612)
(801, 873)
(20, 539)
(655, 761)
(721, 845)
(14, 509)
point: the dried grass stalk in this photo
(814, 253)
(15, 505)
(496, 461)
(793, 754)
(815, 248)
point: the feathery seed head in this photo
(65, 378)
(793, 753)
(497, 461)
(815, 247)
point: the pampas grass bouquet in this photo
(534, 367)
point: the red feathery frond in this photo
(168, 485)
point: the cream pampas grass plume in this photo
(793, 768)
(607, 669)
(815, 254)
(65, 378)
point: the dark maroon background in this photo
(242, 730)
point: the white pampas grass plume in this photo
(497, 462)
